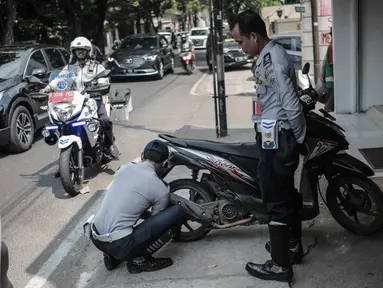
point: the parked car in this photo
(167, 35)
(142, 55)
(233, 54)
(291, 41)
(21, 114)
(199, 37)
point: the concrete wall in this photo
(345, 33)
(269, 14)
(371, 60)
(287, 25)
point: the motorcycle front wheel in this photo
(189, 68)
(353, 198)
(69, 171)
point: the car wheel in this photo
(171, 69)
(161, 71)
(22, 130)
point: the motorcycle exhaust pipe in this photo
(230, 225)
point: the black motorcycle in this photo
(228, 194)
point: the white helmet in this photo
(81, 43)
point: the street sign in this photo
(300, 9)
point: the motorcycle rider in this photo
(186, 46)
(278, 141)
(137, 187)
(85, 68)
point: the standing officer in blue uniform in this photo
(280, 127)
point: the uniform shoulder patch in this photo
(267, 60)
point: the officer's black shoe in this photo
(296, 251)
(270, 271)
(149, 264)
(279, 268)
(114, 152)
(110, 262)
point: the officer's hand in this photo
(45, 90)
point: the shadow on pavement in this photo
(36, 265)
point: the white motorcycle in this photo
(77, 129)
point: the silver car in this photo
(291, 41)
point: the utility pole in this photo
(213, 53)
(218, 36)
(315, 35)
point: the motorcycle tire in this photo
(339, 215)
(65, 172)
(205, 196)
(189, 68)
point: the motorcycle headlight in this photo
(151, 58)
(63, 114)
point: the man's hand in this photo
(45, 90)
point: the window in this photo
(10, 62)
(36, 61)
(139, 43)
(298, 44)
(65, 54)
(55, 58)
(199, 32)
(285, 43)
(164, 42)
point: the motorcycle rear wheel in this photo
(68, 172)
(204, 196)
(355, 201)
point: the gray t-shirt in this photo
(135, 188)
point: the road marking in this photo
(65, 247)
(194, 88)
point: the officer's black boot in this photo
(110, 262)
(295, 245)
(279, 268)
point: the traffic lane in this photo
(39, 214)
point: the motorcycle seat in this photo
(246, 149)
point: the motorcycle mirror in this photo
(103, 74)
(306, 68)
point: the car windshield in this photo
(10, 63)
(201, 32)
(139, 43)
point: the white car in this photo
(199, 37)
(167, 35)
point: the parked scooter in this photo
(228, 194)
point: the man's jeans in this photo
(144, 235)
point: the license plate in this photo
(58, 97)
(238, 59)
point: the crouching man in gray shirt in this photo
(137, 187)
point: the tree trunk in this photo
(195, 19)
(138, 25)
(11, 16)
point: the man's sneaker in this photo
(148, 264)
(110, 262)
(296, 251)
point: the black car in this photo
(20, 113)
(232, 52)
(142, 55)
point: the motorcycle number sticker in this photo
(58, 97)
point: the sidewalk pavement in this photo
(337, 259)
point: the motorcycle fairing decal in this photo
(66, 141)
(223, 165)
(321, 148)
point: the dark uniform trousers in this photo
(275, 173)
(108, 125)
